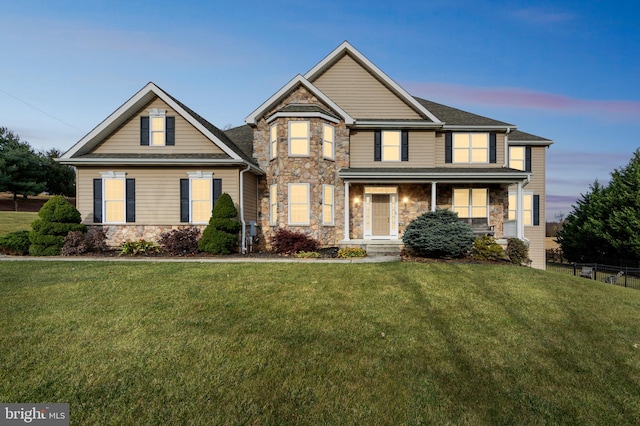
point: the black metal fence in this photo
(623, 276)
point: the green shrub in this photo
(308, 254)
(486, 248)
(439, 234)
(15, 243)
(285, 241)
(57, 218)
(349, 252)
(517, 251)
(134, 248)
(221, 234)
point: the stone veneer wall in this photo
(314, 170)
(119, 234)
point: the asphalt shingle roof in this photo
(458, 117)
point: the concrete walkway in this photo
(221, 259)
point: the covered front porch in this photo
(380, 203)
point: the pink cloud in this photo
(508, 97)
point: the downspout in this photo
(506, 148)
(244, 224)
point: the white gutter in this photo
(506, 147)
(244, 225)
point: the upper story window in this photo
(273, 141)
(470, 147)
(328, 145)
(157, 129)
(298, 138)
(520, 158)
(391, 145)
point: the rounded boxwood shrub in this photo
(517, 251)
(221, 234)
(57, 218)
(486, 248)
(439, 234)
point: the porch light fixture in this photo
(356, 201)
(405, 200)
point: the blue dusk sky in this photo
(565, 70)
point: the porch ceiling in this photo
(435, 174)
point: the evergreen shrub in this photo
(16, 243)
(221, 234)
(439, 234)
(486, 248)
(517, 251)
(57, 218)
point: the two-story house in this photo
(342, 153)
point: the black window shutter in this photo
(131, 200)
(405, 145)
(217, 190)
(144, 130)
(184, 200)
(377, 145)
(170, 137)
(97, 201)
(536, 210)
(527, 159)
(492, 147)
(448, 148)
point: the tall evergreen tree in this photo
(21, 169)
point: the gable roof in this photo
(457, 117)
(133, 106)
(347, 49)
(521, 138)
(294, 83)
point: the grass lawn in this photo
(16, 221)
(262, 344)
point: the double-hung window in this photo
(198, 194)
(327, 204)
(273, 141)
(298, 204)
(470, 202)
(114, 198)
(391, 145)
(298, 138)
(530, 208)
(470, 147)
(157, 129)
(273, 204)
(328, 146)
(520, 158)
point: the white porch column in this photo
(520, 213)
(347, 206)
(433, 196)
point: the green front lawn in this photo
(16, 221)
(265, 343)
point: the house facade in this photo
(341, 153)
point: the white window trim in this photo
(273, 218)
(469, 148)
(273, 153)
(300, 139)
(331, 220)
(524, 194)
(524, 158)
(332, 143)
(198, 176)
(470, 205)
(157, 113)
(114, 176)
(308, 221)
(382, 133)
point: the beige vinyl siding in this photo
(439, 150)
(536, 234)
(157, 191)
(421, 150)
(359, 93)
(250, 197)
(126, 140)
